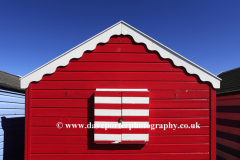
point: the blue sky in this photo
(33, 32)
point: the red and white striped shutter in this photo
(107, 111)
(135, 111)
(130, 105)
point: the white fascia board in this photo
(103, 37)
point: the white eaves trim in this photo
(103, 37)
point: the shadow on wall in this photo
(13, 147)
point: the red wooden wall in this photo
(67, 96)
(228, 126)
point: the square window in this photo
(121, 116)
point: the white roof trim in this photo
(103, 37)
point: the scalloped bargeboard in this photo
(120, 28)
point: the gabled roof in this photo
(103, 37)
(230, 81)
(10, 82)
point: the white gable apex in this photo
(103, 37)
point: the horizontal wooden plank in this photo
(5, 98)
(226, 149)
(121, 39)
(54, 131)
(228, 136)
(226, 155)
(229, 123)
(117, 66)
(89, 103)
(134, 48)
(179, 94)
(123, 57)
(61, 112)
(228, 97)
(64, 94)
(178, 121)
(51, 131)
(173, 139)
(119, 84)
(12, 112)
(228, 143)
(156, 156)
(111, 148)
(51, 121)
(153, 113)
(230, 116)
(226, 129)
(228, 102)
(59, 140)
(5, 105)
(179, 104)
(203, 130)
(164, 113)
(11, 94)
(121, 76)
(228, 109)
(77, 103)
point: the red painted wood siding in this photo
(67, 96)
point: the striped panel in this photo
(136, 130)
(107, 111)
(130, 104)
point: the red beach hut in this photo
(120, 95)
